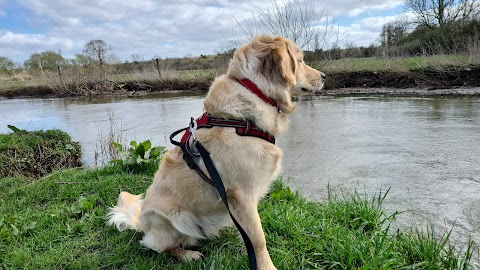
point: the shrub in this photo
(36, 153)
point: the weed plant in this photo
(138, 157)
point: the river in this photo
(426, 150)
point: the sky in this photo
(163, 28)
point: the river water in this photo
(426, 150)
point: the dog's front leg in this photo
(244, 209)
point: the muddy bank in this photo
(431, 81)
(431, 78)
(456, 91)
(111, 88)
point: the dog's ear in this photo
(262, 46)
(277, 59)
(277, 62)
(287, 62)
(287, 65)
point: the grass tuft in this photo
(36, 153)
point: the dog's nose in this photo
(323, 75)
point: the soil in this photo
(431, 78)
(431, 81)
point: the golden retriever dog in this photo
(179, 207)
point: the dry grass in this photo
(104, 149)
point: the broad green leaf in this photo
(14, 128)
(147, 145)
(140, 150)
(156, 152)
(118, 147)
(140, 160)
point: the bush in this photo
(36, 153)
(450, 39)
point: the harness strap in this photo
(243, 128)
(218, 184)
(188, 157)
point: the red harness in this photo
(243, 128)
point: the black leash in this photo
(218, 184)
(217, 181)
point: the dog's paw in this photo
(191, 255)
(266, 264)
(186, 255)
(270, 267)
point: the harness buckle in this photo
(193, 127)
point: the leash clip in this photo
(193, 127)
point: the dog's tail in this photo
(126, 214)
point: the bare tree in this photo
(98, 50)
(299, 20)
(393, 32)
(432, 13)
(136, 58)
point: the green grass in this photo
(393, 64)
(196, 74)
(8, 85)
(57, 222)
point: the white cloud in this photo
(355, 8)
(27, 44)
(167, 28)
(366, 31)
(143, 27)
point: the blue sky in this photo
(167, 28)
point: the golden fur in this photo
(179, 207)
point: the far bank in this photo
(446, 80)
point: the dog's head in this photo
(276, 65)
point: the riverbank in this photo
(57, 221)
(452, 80)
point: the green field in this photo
(393, 64)
(9, 85)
